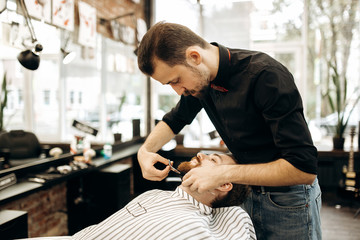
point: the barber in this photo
(255, 106)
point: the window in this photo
(124, 91)
(295, 32)
(72, 101)
(46, 97)
(80, 98)
(14, 111)
(102, 87)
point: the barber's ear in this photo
(193, 56)
(225, 187)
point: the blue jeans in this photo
(292, 214)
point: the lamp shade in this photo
(30, 59)
(68, 56)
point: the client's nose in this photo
(201, 156)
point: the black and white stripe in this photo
(159, 214)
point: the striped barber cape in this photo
(170, 215)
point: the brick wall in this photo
(46, 211)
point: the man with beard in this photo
(256, 108)
(180, 214)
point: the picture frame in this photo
(87, 25)
(63, 14)
(40, 10)
(2, 5)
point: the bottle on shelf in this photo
(107, 151)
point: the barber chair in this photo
(21, 147)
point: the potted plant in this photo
(341, 105)
(3, 102)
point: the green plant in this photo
(3, 101)
(122, 101)
(339, 101)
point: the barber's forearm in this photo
(276, 173)
(159, 136)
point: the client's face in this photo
(237, 193)
(205, 160)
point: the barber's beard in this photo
(203, 86)
(201, 94)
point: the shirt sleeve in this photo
(183, 113)
(279, 100)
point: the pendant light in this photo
(30, 58)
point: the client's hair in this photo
(235, 197)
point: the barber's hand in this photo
(203, 179)
(147, 160)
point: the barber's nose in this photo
(178, 89)
(201, 156)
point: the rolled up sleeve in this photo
(281, 106)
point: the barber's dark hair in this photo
(167, 42)
(235, 197)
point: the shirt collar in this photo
(223, 70)
(204, 209)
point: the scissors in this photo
(173, 169)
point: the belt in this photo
(270, 189)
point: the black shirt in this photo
(256, 108)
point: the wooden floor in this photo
(337, 218)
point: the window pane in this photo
(45, 98)
(14, 110)
(227, 22)
(125, 91)
(83, 91)
(238, 24)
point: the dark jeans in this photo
(292, 214)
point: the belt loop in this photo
(262, 190)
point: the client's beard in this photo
(185, 167)
(235, 197)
